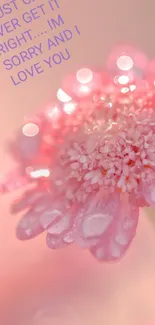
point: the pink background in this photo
(123, 293)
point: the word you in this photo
(37, 69)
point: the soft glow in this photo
(69, 108)
(30, 130)
(40, 173)
(84, 89)
(84, 76)
(125, 63)
(123, 80)
(62, 96)
(53, 112)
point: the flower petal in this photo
(36, 198)
(29, 226)
(118, 237)
(60, 226)
(86, 242)
(49, 216)
(94, 225)
(68, 237)
(92, 221)
(101, 213)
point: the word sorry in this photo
(36, 50)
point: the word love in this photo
(24, 74)
(37, 69)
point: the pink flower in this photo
(100, 177)
(101, 163)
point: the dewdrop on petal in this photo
(118, 238)
(56, 242)
(98, 214)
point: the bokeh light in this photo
(125, 90)
(126, 58)
(132, 87)
(40, 173)
(62, 96)
(84, 76)
(123, 80)
(125, 63)
(30, 130)
(69, 108)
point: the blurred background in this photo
(79, 289)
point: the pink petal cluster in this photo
(100, 176)
(101, 163)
